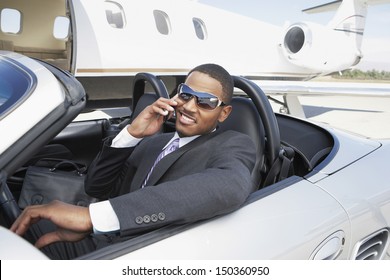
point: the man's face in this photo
(192, 120)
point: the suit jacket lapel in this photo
(150, 155)
(170, 159)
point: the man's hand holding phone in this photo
(150, 120)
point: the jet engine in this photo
(319, 48)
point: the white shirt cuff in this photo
(124, 139)
(103, 217)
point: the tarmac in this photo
(366, 116)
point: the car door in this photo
(293, 219)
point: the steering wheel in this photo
(9, 206)
(267, 115)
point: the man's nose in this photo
(191, 104)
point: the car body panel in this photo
(14, 247)
(364, 196)
(285, 224)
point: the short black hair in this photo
(220, 74)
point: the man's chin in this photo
(189, 133)
(186, 130)
(183, 133)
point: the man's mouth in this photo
(186, 119)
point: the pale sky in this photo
(376, 42)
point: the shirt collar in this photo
(182, 140)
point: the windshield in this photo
(14, 84)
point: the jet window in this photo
(162, 22)
(61, 28)
(10, 21)
(115, 15)
(200, 28)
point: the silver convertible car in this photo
(324, 194)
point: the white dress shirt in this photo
(103, 217)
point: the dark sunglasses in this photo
(204, 100)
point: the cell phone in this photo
(169, 115)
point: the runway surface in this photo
(367, 116)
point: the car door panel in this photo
(287, 222)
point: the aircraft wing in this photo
(291, 90)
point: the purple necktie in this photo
(174, 145)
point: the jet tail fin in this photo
(350, 17)
(350, 14)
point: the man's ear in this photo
(225, 113)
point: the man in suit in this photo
(207, 172)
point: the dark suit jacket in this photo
(207, 177)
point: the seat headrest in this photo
(145, 100)
(245, 118)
